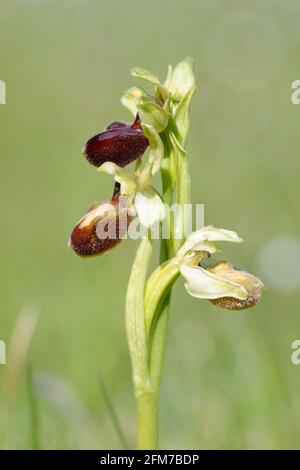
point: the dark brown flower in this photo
(120, 143)
(102, 227)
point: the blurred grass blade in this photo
(33, 411)
(111, 409)
(19, 347)
(65, 402)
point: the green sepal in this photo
(181, 79)
(182, 117)
(144, 74)
(161, 92)
(156, 148)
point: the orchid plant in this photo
(161, 122)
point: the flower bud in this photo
(102, 227)
(120, 143)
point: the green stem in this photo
(183, 196)
(147, 420)
(157, 301)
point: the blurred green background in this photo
(228, 379)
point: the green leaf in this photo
(157, 287)
(135, 317)
(154, 115)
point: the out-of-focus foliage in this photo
(228, 379)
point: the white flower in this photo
(222, 284)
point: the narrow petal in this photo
(202, 239)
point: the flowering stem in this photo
(148, 304)
(183, 196)
(147, 309)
